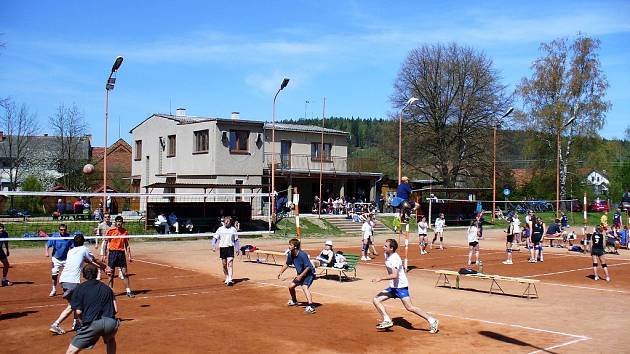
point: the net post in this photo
(296, 204)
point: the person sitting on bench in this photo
(326, 257)
(554, 230)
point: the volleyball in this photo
(88, 169)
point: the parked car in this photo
(625, 201)
(598, 206)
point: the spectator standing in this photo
(366, 230)
(94, 303)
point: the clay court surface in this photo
(182, 305)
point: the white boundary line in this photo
(571, 270)
(559, 345)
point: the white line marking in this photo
(559, 345)
(587, 288)
(572, 270)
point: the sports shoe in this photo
(131, 294)
(433, 327)
(309, 309)
(6, 282)
(121, 276)
(385, 325)
(56, 329)
(76, 325)
(292, 303)
(53, 292)
(608, 279)
(230, 283)
(441, 247)
(507, 262)
(596, 277)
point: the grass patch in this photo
(285, 228)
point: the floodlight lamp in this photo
(284, 84)
(117, 64)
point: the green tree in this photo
(566, 84)
(446, 132)
(31, 203)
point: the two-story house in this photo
(215, 156)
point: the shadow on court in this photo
(239, 280)
(510, 340)
(399, 321)
(13, 315)
(494, 291)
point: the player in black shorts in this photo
(4, 256)
(535, 246)
(597, 251)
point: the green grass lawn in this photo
(286, 228)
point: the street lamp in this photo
(284, 84)
(409, 102)
(494, 161)
(573, 116)
(321, 162)
(109, 85)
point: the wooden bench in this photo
(268, 254)
(551, 239)
(531, 283)
(352, 259)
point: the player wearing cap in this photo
(226, 237)
(326, 257)
(118, 248)
(398, 288)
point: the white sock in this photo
(128, 290)
(386, 319)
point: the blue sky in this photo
(215, 57)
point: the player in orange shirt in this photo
(119, 248)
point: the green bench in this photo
(352, 259)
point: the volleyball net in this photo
(35, 215)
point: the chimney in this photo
(235, 115)
(45, 134)
(180, 112)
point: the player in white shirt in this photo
(226, 237)
(423, 229)
(366, 231)
(398, 288)
(438, 230)
(473, 241)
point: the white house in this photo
(599, 181)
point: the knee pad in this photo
(509, 250)
(595, 265)
(55, 276)
(441, 238)
(604, 265)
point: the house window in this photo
(239, 141)
(171, 146)
(317, 153)
(238, 198)
(201, 142)
(138, 155)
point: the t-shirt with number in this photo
(226, 237)
(392, 262)
(598, 241)
(74, 264)
(422, 227)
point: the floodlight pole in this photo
(321, 162)
(284, 84)
(409, 102)
(109, 85)
(494, 162)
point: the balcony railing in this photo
(306, 163)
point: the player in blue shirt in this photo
(60, 252)
(305, 274)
